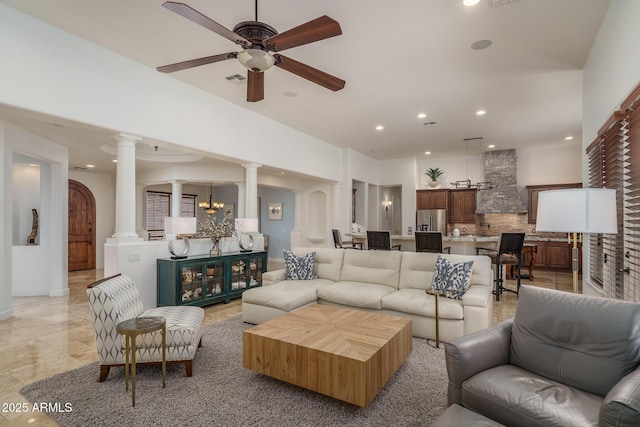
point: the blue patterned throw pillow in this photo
(453, 279)
(298, 268)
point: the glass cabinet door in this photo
(191, 282)
(254, 271)
(214, 284)
(238, 274)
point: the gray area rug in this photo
(223, 393)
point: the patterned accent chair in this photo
(115, 299)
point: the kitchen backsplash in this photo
(494, 224)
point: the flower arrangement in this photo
(216, 231)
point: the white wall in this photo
(402, 172)
(612, 69)
(19, 277)
(26, 196)
(610, 73)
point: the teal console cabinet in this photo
(205, 280)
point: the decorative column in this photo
(176, 198)
(126, 187)
(240, 212)
(141, 226)
(251, 181)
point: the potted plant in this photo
(434, 174)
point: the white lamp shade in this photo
(180, 225)
(247, 225)
(577, 210)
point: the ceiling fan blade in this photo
(208, 23)
(255, 86)
(306, 72)
(318, 29)
(196, 62)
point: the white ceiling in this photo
(398, 59)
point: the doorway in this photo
(82, 230)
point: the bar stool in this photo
(430, 241)
(509, 253)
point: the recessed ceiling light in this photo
(422, 115)
(379, 127)
(91, 166)
(427, 152)
(491, 146)
(469, 3)
(568, 138)
(480, 113)
(291, 94)
(115, 160)
(481, 44)
(33, 165)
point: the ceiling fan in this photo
(258, 40)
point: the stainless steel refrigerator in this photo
(431, 220)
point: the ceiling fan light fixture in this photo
(256, 60)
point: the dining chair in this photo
(430, 241)
(380, 240)
(344, 244)
(509, 253)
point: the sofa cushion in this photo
(561, 335)
(417, 269)
(327, 263)
(416, 301)
(286, 295)
(453, 279)
(355, 294)
(376, 267)
(298, 267)
(514, 396)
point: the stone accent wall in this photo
(500, 169)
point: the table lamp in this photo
(576, 211)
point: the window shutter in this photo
(629, 288)
(159, 207)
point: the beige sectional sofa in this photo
(390, 282)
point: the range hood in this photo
(500, 168)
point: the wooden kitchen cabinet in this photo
(533, 191)
(559, 255)
(462, 206)
(432, 199)
(551, 255)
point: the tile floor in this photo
(52, 335)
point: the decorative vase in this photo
(433, 184)
(215, 249)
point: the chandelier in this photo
(211, 207)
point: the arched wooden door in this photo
(82, 230)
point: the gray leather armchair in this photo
(563, 360)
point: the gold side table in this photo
(131, 329)
(437, 293)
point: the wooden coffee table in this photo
(346, 354)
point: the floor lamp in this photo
(576, 211)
